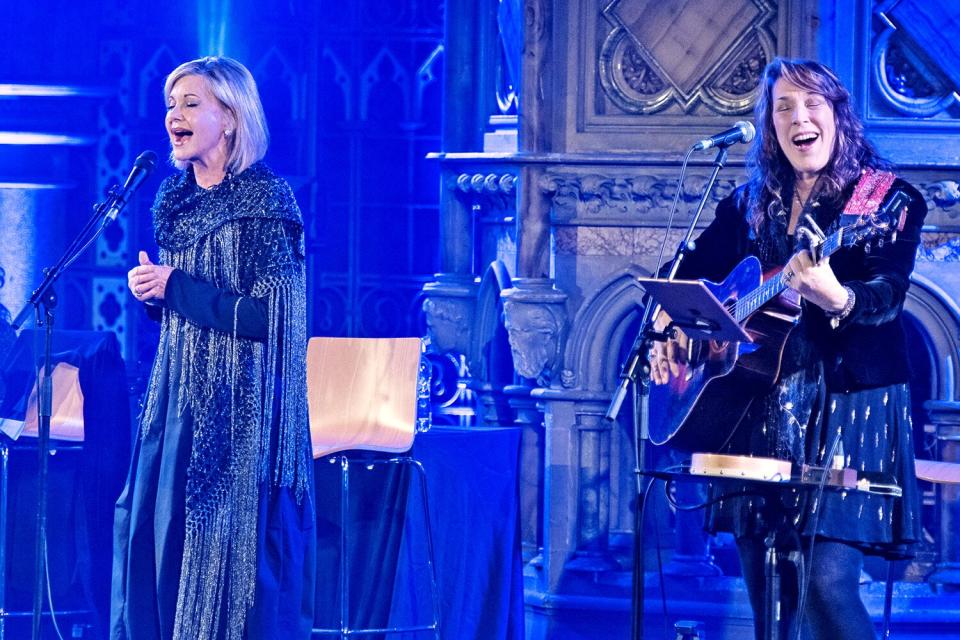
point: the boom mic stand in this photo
(42, 302)
(636, 372)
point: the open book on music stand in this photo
(693, 308)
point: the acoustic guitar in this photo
(702, 406)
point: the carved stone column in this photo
(529, 416)
(450, 299)
(945, 417)
(533, 222)
(535, 318)
(593, 490)
(536, 322)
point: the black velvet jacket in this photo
(868, 349)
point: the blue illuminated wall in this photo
(351, 91)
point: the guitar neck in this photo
(771, 288)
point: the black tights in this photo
(833, 609)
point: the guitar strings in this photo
(749, 303)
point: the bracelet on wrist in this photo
(837, 316)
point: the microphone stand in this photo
(636, 372)
(42, 302)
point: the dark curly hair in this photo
(770, 173)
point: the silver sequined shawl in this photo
(246, 399)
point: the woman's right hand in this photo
(666, 357)
(148, 282)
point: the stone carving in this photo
(637, 73)
(641, 71)
(534, 339)
(495, 191)
(535, 319)
(944, 194)
(628, 79)
(941, 247)
(904, 76)
(448, 323)
(585, 240)
(746, 73)
(943, 203)
(593, 195)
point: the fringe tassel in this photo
(285, 359)
(228, 379)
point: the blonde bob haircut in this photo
(233, 85)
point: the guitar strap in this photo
(868, 195)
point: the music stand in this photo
(693, 308)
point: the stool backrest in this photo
(362, 393)
(66, 414)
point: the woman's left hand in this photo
(815, 281)
(148, 281)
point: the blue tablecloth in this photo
(474, 512)
(472, 476)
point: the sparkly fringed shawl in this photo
(246, 399)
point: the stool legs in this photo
(343, 629)
(428, 530)
(344, 546)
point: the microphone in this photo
(142, 167)
(742, 131)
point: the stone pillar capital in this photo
(449, 306)
(535, 317)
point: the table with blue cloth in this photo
(472, 480)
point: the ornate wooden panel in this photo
(645, 71)
(681, 54)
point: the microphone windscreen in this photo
(146, 160)
(748, 130)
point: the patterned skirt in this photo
(875, 432)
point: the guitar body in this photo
(700, 408)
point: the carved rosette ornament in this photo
(535, 316)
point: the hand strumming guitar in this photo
(666, 357)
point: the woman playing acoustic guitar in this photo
(841, 394)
